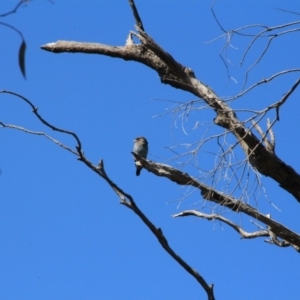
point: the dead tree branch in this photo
(173, 73)
(220, 198)
(263, 81)
(136, 15)
(128, 201)
(125, 198)
(15, 9)
(244, 234)
(35, 111)
(38, 133)
(258, 33)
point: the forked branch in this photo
(220, 198)
(244, 234)
(173, 73)
(125, 198)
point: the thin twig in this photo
(39, 133)
(15, 9)
(244, 234)
(265, 80)
(13, 28)
(35, 111)
(136, 15)
(288, 11)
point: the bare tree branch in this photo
(128, 201)
(13, 28)
(244, 234)
(178, 76)
(15, 9)
(35, 111)
(238, 229)
(220, 198)
(125, 198)
(136, 15)
(259, 32)
(288, 11)
(265, 80)
(263, 135)
(272, 136)
(39, 133)
(285, 97)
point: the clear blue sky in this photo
(63, 233)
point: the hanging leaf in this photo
(22, 57)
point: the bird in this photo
(141, 148)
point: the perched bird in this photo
(141, 148)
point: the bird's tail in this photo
(138, 171)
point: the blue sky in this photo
(63, 233)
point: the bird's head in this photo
(141, 140)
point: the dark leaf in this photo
(22, 58)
